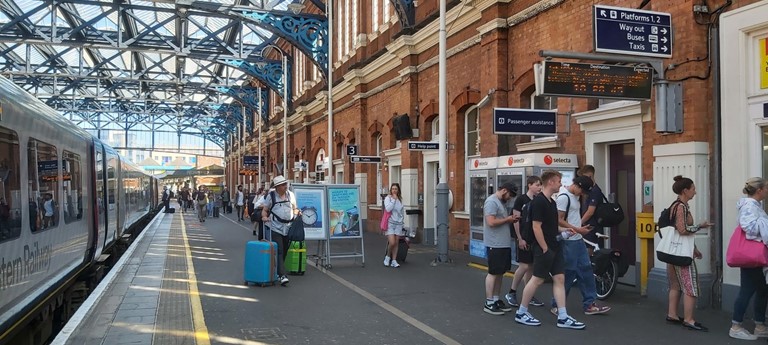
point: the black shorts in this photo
(551, 262)
(499, 260)
(524, 256)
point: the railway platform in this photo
(183, 284)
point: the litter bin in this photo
(412, 223)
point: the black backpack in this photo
(274, 202)
(667, 216)
(526, 223)
(608, 214)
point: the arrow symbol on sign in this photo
(663, 30)
(664, 48)
(602, 13)
(664, 40)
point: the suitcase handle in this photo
(272, 255)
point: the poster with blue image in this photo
(344, 211)
(311, 202)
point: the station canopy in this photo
(154, 69)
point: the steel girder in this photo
(144, 42)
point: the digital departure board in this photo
(571, 79)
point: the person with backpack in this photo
(279, 208)
(589, 203)
(577, 264)
(684, 278)
(166, 199)
(547, 255)
(524, 253)
(201, 202)
(225, 199)
(498, 245)
(754, 222)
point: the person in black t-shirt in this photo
(548, 256)
(524, 253)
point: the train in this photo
(67, 207)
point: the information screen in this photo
(597, 80)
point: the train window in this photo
(71, 181)
(43, 185)
(10, 185)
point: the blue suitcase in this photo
(260, 265)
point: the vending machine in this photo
(517, 168)
(482, 182)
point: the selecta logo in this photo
(510, 161)
(548, 160)
(477, 163)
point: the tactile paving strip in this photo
(174, 313)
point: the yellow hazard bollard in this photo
(646, 228)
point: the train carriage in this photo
(64, 201)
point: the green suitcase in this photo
(296, 261)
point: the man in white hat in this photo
(279, 209)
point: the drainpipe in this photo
(717, 199)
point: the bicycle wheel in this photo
(605, 283)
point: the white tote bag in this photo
(674, 248)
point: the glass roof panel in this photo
(147, 52)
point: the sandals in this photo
(695, 327)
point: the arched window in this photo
(472, 138)
(435, 128)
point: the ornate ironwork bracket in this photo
(270, 72)
(406, 12)
(308, 32)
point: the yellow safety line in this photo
(198, 320)
(485, 268)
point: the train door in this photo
(111, 195)
(100, 206)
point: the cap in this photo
(510, 187)
(585, 183)
(278, 180)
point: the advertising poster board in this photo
(311, 201)
(344, 211)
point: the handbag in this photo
(296, 230)
(675, 249)
(384, 225)
(745, 253)
(608, 214)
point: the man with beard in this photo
(498, 245)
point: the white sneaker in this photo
(761, 331)
(387, 261)
(283, 280)
(742, 334)
(394, 264)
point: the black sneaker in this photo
(492, 309)
(503, 306)
(283, 280)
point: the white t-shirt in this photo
(240, 198)
(573, 215)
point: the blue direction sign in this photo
(633, 32)
(253, 160)
(524, 121)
